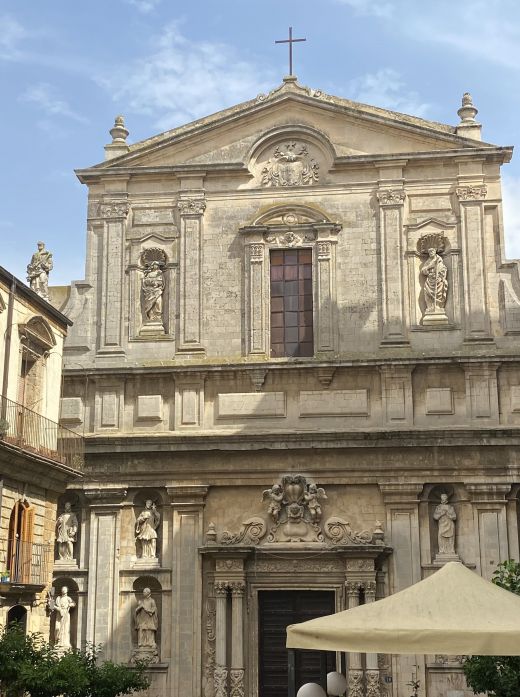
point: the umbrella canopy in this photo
(454, 611)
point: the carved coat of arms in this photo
(290, 165)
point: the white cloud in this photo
(511, 212)
(12, 33)
(386, 88)
(144, 6)
(181, 80)
(44, 96)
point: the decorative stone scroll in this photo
(471, 193)
(290, 165)
(340, 532)
(251, 532)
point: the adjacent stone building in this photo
(37, 456)
(295, 357)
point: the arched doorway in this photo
(18, 615)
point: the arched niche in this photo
(18, 615)
(76, 508)
(140, 499)
(73, 592)
(430, 499)
(138, 587)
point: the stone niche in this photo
(138, 587)
(73, 592)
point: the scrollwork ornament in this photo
(251, 532)
(471, 193)
(391, 197)
(220, 679)
(373, 686)
(114, 209)
(289, 238)
(355, 683)
(191, 206)
(340, 532)
(236, 682)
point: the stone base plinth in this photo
(441, 559)
(152, 329)
(146, 563)
(435, 319)
(65, 564)
(149, 654)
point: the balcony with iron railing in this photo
(33, 433)
(24, 563)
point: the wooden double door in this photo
(277, 610)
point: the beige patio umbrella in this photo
(454, 611)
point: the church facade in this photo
(295, 359)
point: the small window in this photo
(291, 303)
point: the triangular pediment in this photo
(349, 129)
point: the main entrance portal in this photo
(278, 609)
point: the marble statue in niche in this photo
(38, 271)
(445, 516)
(146, 530)
(66, 531)
(146, 625)
(62, 606)
(435, 272)
(153, 284)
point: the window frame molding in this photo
(290, 227)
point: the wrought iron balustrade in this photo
(34, 433)
(25, 562)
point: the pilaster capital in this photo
(256, 253)
(182, 495)
(471, 193)
(109, 497)
(114, 209)
(191, 206)
(394, 492)
(221, 588)
(352, 588)
(237, 588)
(391, 197)
(369, 588)
(489, 492)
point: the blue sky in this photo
(68, 67)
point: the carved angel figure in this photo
(275, 495)
(312, 498)
(436, 283)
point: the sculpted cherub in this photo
(275, 495)
(312, 498)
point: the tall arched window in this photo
(19, 554)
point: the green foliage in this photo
(498, 676)
(29, 666)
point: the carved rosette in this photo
(355, 683)
(471, 193)
(373, 685)
(391, 197)
(236, 678)
(114, 209)
(191, 206)
(220, 680)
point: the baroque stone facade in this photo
(354, 468)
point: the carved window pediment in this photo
(37, 334)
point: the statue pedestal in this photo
(65, 564)
(441, 559)
(146, 563)
(152, 329)
(146, 653)
(435, 319)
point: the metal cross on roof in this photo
(289, 41)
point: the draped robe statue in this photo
(153, 289)
(446, 517)
(146, 624)
(62, 606)
(38, 271)
(66, 529)
(146, 530)
(435, 284)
